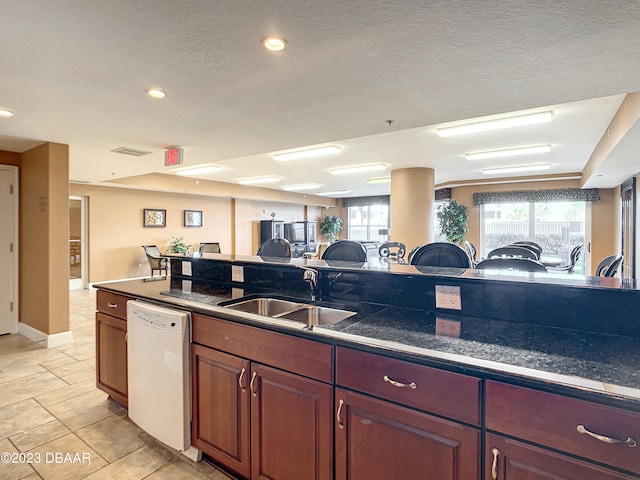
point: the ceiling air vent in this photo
(131, 151)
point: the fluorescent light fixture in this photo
(199, 170)
(5, 113)
(511, 152)
(305, 186)
(499, 124)
(378, 180)
(335, 192)
(258, 180)
(308, 153)
(156, 93)
(357, 169)
(274, 43)
(521, 168)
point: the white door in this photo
(8, 249)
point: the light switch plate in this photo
(448, 297)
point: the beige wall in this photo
(605, 224)
(44, 230)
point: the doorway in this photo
(9, 249)
(77, 242)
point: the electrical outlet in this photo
(448, 297)
(448, 328)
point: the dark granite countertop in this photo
(589, 363)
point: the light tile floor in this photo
(51, 411)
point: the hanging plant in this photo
(453, 218)
(330, 227)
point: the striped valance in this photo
(365, 201)
(548, 195)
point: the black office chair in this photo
(213, 247)
(275, 247)
(512, 263)
(346, 251)
(156, 261)
(513, 251)
(441, 254)
(394, 250)
(575, 254)
(608, 266)
(472, 252)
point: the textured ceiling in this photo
(75, 72)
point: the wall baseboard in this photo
(48, 341)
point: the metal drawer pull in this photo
(339, 414)
(112, 305)
(411, 385)
(253, 378)
(629, 441)
(494, 465)
(240, 383)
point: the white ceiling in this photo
(76, 72)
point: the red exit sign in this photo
(172, 156)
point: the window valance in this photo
(365, 201)
(443, 194)
(548, 195)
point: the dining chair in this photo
(608, 266)
(346, 251)
(275, 247)
(441, 254)
(531, 248)
(575, 254)
(528, 243)
(156, 261)
(512, 263)
(209, 247)
(472, 252)
(393, 250)
(513, 251)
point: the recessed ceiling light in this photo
(377, 180)
(156, 93)
(511, 152)
(258, 180)
(498, 124)
(334, 192)
(357, 168)
(5, 113)
(305, 186)
(274, 43)
(520, 168)
(199, 170)
(308, 153)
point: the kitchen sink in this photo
(268, 307)
(276, 308)
(314, 315)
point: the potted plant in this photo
(330, 227)
(178, 246)
(453, 221)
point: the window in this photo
(556, 226)
(365, 222)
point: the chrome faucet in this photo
(311, 277)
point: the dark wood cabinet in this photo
(378, 440)
(508, 459)
(111, 346)
(260, 421)
(271, 229)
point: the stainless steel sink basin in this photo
(268, 307)
(275, 308)
(314, 315)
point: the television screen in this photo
(294, 232)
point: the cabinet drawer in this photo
(297, 355)
(445, 393)
(112, 304)
(552, 420)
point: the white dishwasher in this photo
(159, 379)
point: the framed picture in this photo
(193, 218)
(154, 217)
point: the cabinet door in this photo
(511, 460)
(377, 440)
(220, 413)
(111, 356)
(291, 426)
